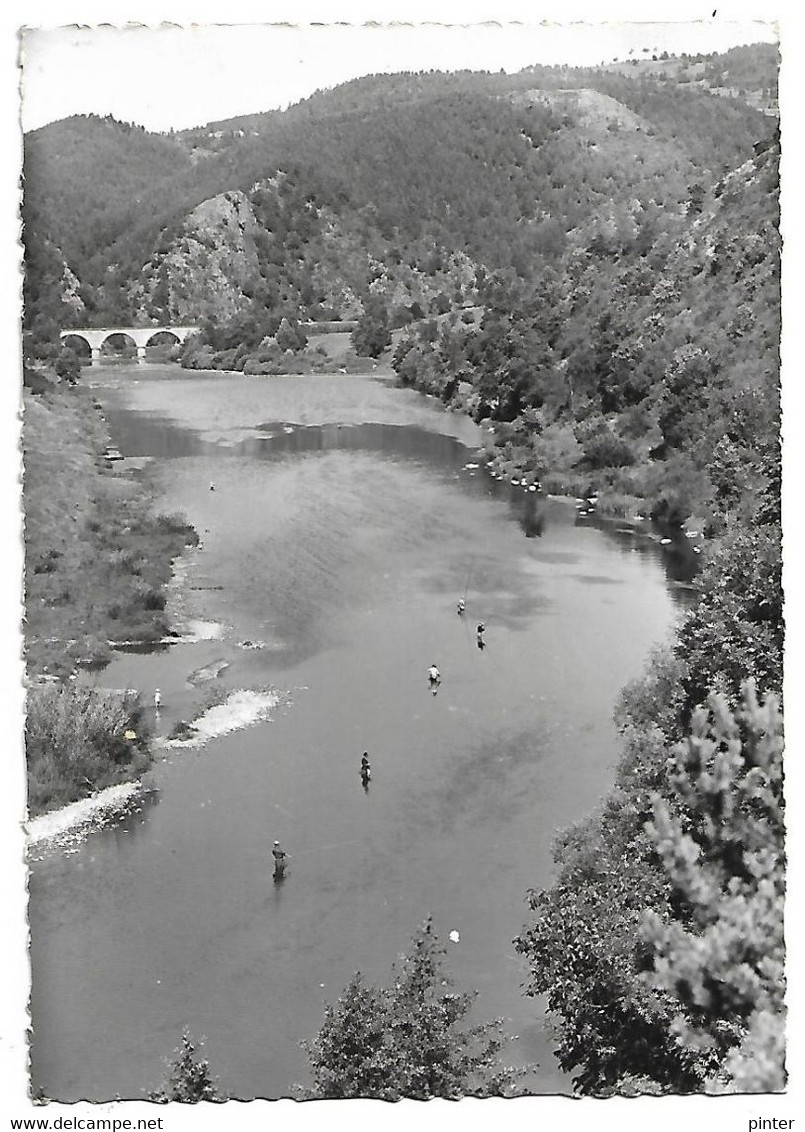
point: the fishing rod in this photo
(323, 848)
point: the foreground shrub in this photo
(403, 1040)
(80, 740)
(188, 1079)
(721, 959)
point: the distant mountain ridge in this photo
(420, 164)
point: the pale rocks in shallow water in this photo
(208, 672)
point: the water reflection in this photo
(147, 435)
(533, 517)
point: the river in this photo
(345, 519)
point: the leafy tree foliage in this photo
(660, 879)
(581, 943)
(372, 334)
(669, 387)
(290, 335)
(660, 944)
(735, 630)
(404, 1040)
(188, 1079)
(68, 366)
(720, 840)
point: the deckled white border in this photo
(669, 1113)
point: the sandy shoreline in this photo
(77, 817)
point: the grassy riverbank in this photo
(97, 562)
(97, 557)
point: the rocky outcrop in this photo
(588, 108)
(69, 287)
(203, 271)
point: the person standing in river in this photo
(366, 771)
(479, 636)
(280, 857)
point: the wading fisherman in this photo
(280, 856)
(434, 678)
(157, 700)
(460, 607)
(479, 636)
(366, 770)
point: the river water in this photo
(343, 525)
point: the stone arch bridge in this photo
(139, 336)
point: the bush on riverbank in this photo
(80, 740)
(330, 351)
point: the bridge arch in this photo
(165, 337)
(118, 342)
(79, 344)
(97, 337)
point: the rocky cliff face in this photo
(237, 251)
(69, 288)
(203, 271)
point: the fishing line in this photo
(325, 848)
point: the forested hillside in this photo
(641, 366)
(502, 168)
(748, 74)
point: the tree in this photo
(581, 943)
(735, 630)
(68, 366)
(403, 1040)
(188, 1079)
(721, 958)
(290, 335)
(372, 334)
(660, 945)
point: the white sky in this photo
(186, 76)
